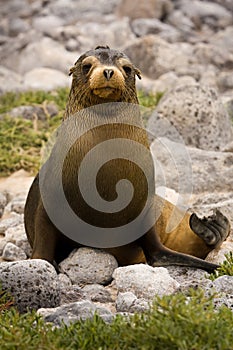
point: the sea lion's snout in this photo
(108, 73)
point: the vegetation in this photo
(226, 268)
(21, 140)
(174, 322)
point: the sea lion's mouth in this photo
(107, 92)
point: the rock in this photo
(45, 79)
(212, 54)
(13, 253)
(177, 19)
(228, 4)
(16, 204)
(17, 26)
(165, 82)
(113, 32)
(74, 312)
(144, 9)
(154, 56)
(223, 39)
(190, 170)
(144, 26)
(71, 294)
(144, 281)
(3, 203)
(217, 255)
(89, 266)
(224, 284)
(96, 292)
(204, 12)
(225, 81)
(35, 112)
(10, 222)
(41, 23)
(198, 115)
(211, 200)
(32, 283)
(9, 80)
(128, 302)
(45, 53)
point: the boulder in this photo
(144, 281)
(144, 9)
(89, 266)
(32, 283)
(45, 79)
(198, 115)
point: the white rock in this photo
(45, 79)
(13, 253)
(89, 266)
(144, 281)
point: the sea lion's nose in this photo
(108, 73)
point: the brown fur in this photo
(99, 76)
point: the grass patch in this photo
(173, 323)
(21, 140)
(226, 268)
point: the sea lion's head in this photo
(103, 75)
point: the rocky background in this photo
(184, 49)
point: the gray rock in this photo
(144, 281)
(13, 253)
(178, 20)
(32, 112)
(89, 266)
(45, 79)
(74, 312)
(144, 26)
(212, 54)
(33, 283)
(42, 23)
(64, 281)
(217, 256)
(3, 203)
(45, 53)
(16, 204)
(224, 284)
(128, 302)
(223, 39)
(12, 221)
(228, 4)
(198, 115)
(97, 292)
(71, 294)
(206, 12)
(190, 170)
(144, 9)
(17, 236)
(113, 31)
(154, 56)
(17, 26)
(225, 80)
(9, 80)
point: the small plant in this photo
(6, 300)
(226, 268)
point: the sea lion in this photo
(102, 76)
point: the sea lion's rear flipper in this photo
(168, 257)
(158, 255)
(213, 229)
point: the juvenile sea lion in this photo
(103, 78)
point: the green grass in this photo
(21, 140)
(173, 323)
(226, 268)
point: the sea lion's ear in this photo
(72, 69)
(138, 73)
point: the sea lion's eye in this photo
(127, 69)
(86, 67)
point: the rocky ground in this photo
(184, 49)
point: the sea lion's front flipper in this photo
(213, 229)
